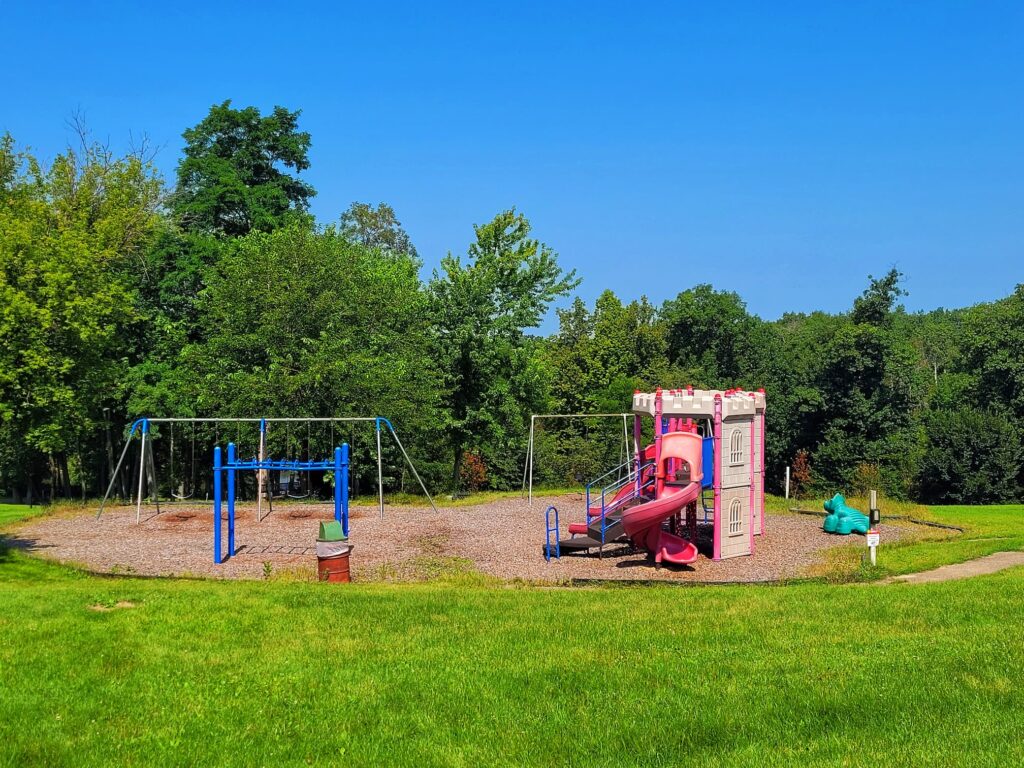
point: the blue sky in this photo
(781, 150)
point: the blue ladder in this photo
(547, 534)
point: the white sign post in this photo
(873, 538)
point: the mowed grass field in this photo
(97, 671)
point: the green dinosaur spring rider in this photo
(842, 519)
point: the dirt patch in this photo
(501, 539)
(103, 608)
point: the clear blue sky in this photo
(781, 150)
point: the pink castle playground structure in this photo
(706, 443)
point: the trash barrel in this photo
(332, 553)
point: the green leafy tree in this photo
(482, 307)
(994, 352)
(871, 385)
(596, 360)
(302, 322)
(377, 228)
(233, 177)
(71, 237)
(710, 334)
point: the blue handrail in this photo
(547, 534)
(616, 503)
(630, 476)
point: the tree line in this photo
(217, 294)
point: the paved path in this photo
(989, 564)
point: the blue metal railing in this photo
(614, 488)
(630, 477)
(547, 534)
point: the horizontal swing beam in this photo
(279, 464)
(269, 419)
(577, 415)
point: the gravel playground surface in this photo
(502, 539)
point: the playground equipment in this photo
(148, 484)
(703, 439)
(233, 465)
(842, 519)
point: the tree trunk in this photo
(455, 466)
(81, 474)
(53, 476)
(65, 475)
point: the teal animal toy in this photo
(842, 519)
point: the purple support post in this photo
(638, 447)
(717, 552)
(659, 428)
(750, 515)
(232, 459)
(217, 470)
(764, 458)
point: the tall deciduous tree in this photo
(71, 239)
(871, 385)
(301, 322)
(596, 360)
(710, 334)
(234, 176)
(377, 228)
(482, 306)
(994, 351)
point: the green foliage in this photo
(595, 361)
(851, 395)
(377, 228)
(71, 237)
(971, 456)
(302, 322)
(230, 180)
(710, 333)
(994, 352)
(481, 309)
(876, 304)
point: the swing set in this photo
(145, 432)
(627, 450)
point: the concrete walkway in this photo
(997, 561)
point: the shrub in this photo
(972, 457)
(472, 471)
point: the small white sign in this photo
(873, 538)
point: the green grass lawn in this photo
(10, 513)
(455, 673)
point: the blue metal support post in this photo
(341, 486)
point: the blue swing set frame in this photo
(225, 471)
